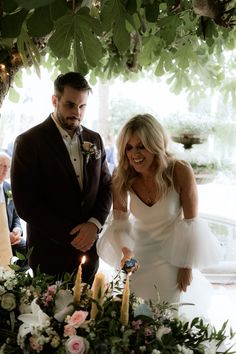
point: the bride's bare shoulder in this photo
(183, 174)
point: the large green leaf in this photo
(14, 96)
(34, 4)
(9, 5)
(79, 58)
(60, 41)
(151, 47)
(28, 50)
(113, 12)
(11, 24)
(152, 11)
(131, 6)
(121, 37)
(40, 23)
(59, 10)
(91, 45)
(83, 17)
(81, 28)
(168, 28)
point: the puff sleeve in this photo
(116, 236)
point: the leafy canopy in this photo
(111, 38)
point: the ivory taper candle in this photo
(98, 289)
(78, 282)
(124, 312)
(5, 244)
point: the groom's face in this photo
(70, 108)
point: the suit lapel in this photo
(86, 137)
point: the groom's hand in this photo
(85, 236)
(184, 278)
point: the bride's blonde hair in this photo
(155, 140)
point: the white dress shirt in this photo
(76, 156)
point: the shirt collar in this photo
(62, 131)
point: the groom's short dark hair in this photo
(71, 79)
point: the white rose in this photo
(8, 301)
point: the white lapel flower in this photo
(88, 149)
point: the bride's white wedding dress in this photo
(162, 241)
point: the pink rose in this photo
(75, 345)
(52, 289)
(69, 331)
(77, 318)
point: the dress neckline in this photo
(149, 206)
(158, 200)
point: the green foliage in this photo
(50, 319)
(114, 38)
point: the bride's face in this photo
(139, 158)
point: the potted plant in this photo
(189, 130)
(207, 167)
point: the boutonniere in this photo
(88, 149)
(9, 196)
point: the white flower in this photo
(2, 290)
(25, 306)
(8, 301)
(210, 347)
(63, 305)
(161, 331)
(89, 149)
(37, 319)
(6, 273)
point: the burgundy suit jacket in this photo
(48, 197)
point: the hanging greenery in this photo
(108, 38)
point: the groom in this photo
(61, 184)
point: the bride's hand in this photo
(127, 255)
(184, 278)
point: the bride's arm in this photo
(120, 211)
(116, 242)
(185, 184)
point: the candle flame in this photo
(129, 274)
(83, 259)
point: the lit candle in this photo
(78, 281)
(124, 312)
(5, 244)
(98, 289)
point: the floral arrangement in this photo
(40, 316)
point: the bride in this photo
(155, 215)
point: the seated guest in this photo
(18, 243)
